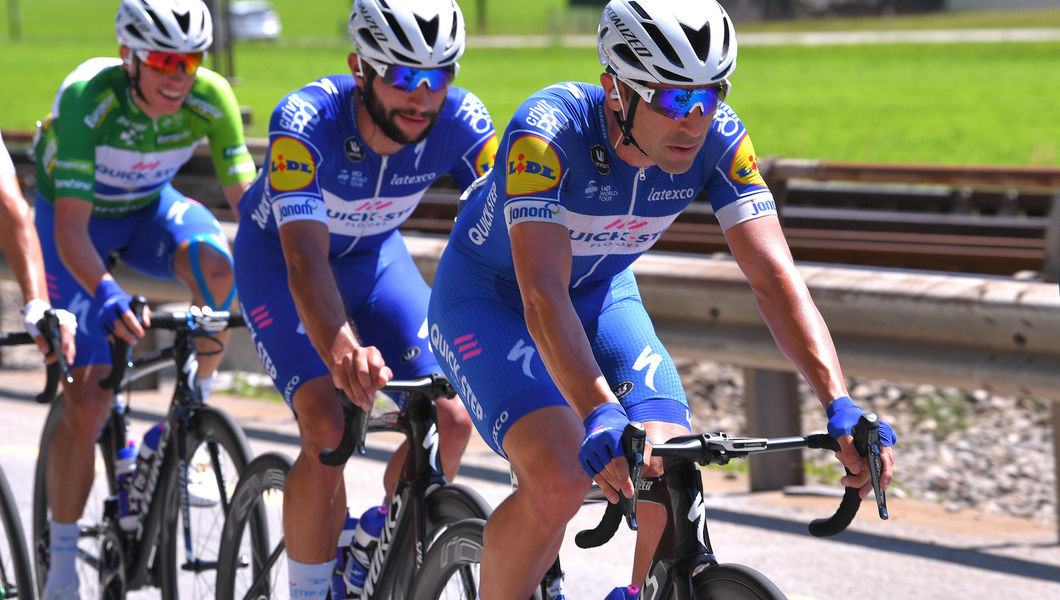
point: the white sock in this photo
(63, 551)
(309, 581)
(205, 385)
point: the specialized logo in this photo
(523, 352)
(744, 167)
(291, 166)
(651, 361)
(354, 150)
(631, 39)
(533, 166)
(601, 159)
(410, 355)
(486, 156)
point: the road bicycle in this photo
(174, 547)
(684, 566)
(423, 503)
(16, 571)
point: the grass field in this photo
(917, 103)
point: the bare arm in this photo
(18, 236)
(358, 370)
(233, 192)
(542, 256)
(797, 326)
(785, 304)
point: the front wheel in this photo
(451, 567)
(197, 500)
(255, 565)
(734, 582)
(446, 505)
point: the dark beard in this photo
(385, 121)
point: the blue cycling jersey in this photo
(320, 168)
(556, 164)
(560, 167)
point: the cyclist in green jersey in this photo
(117, 133)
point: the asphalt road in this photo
(922, 552)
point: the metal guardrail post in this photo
(772, 405)
(1051, 267)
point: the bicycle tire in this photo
(242, 562)
(215, 429)
(446, 505)
(734, 582)
(90, 540)
(14, 559)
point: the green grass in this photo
(913, 103)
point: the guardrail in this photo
(945, 329)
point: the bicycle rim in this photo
(16, 579)
(446, 505)
(217, 452)
(450, 570)
(734, 582)
(90, 543)
(254, 565)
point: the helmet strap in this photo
(134, 76)
(625, 123)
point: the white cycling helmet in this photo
(164, 25)
(426, 34)
(672, 42)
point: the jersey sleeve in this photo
(474, 125)
(294, 157)
(80, 116)
(735, 186)
(231, 158)
(535, 163)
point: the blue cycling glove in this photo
(843, 414)
(603, 437)
(114, 302)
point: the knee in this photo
(85, 410)
(215, 266)
(453, 421)
(555, 498)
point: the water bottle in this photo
(365, 538)
(144, 461)
(629, 592)
(125, 467)
(342, 558)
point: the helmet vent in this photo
(627, 55)
(184, 20)
(671, 76)
(399, 33)
(660, 40)
(452, 32)
(640, 11)
(700, 40)
(159, 25)
(368, 39)
(429, 29)
(408, 60)
(133, 31)
(725, 41)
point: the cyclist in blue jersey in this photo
(118, 132)
(332, 296)
(535, 313)
(21, 246)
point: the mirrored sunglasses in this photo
(168, 62)
(407, 79)
(678, 103)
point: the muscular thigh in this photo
(170, 222)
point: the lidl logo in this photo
(291, 165)
(533, 166)
(486, 156)
(744, 167)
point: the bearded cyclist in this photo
(334, 297)
(118, 132)
(537, 273)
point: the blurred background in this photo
(931, 81)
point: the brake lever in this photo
(633, 439)
(867, 442)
